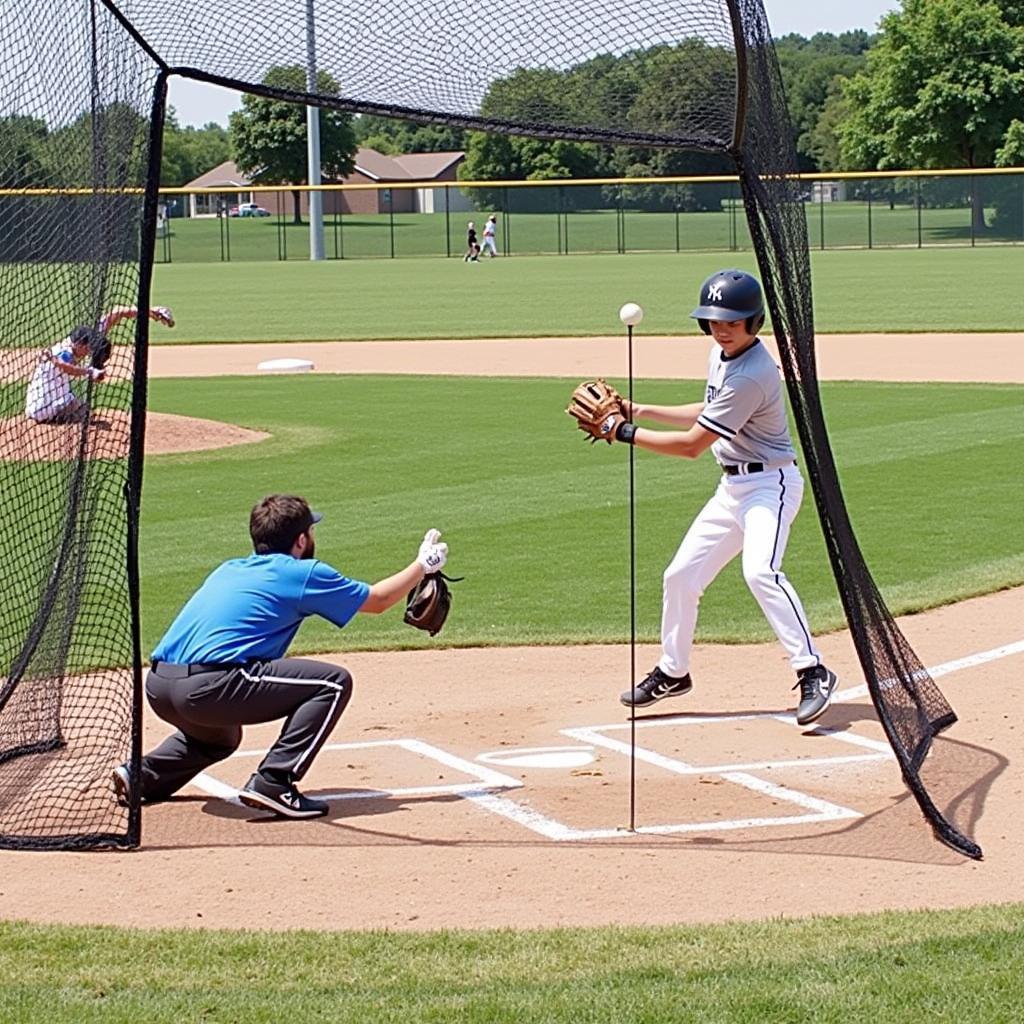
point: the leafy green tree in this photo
(1011, 153)
(812, 73)
(114, 154)
(820, 145)
(940, 89)
(649, 90)
(268, 137)
(513, 158)
(1009, 191)
(189, 152)
(24, 141)
(388, 135)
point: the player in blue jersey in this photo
(222, 664)
(742, 420)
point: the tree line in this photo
(940, 85)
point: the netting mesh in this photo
(910, 705)
(82, 86)
(74, 102)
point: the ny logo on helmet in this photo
(715, 291)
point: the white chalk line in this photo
(481, 791)
(970, 661)
(483, 777)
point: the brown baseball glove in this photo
(427, 604)
(598, 409)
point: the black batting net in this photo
(82, 90)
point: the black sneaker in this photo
(285, 800)
(817, 685)
(121, 780)
(657, 686)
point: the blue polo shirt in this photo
(251, 608)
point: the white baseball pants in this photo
(749, 514)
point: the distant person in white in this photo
(489, 232)
(50, 398)
(743, 421)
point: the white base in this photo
(285, 366)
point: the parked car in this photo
(251, 210)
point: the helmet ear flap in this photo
(755, 323)
(705, 326)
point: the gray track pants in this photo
(210, 704)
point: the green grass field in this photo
(937, 966)
(854, 291)
(356, 236)
(525, 510)
(513, 485)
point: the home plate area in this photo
(693, 773)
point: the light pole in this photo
(316, 207)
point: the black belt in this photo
(749, 467)
(171, 671)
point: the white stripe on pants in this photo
(752, 514)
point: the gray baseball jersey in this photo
(745, 407)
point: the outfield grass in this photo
(927, 966)
(829, 225)
(928, 290)
(526, 503)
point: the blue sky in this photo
(196, 103)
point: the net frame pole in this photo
(137, 441)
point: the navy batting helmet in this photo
(730, 295)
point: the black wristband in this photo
(625, 432)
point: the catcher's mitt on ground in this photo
(428, 602)
(598, 409)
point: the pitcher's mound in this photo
(21, 440)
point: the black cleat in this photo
(657, 686)
(284, 800)
(817, 685)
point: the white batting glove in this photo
(432, 555)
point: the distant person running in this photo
(472, 245)
(50, 398)
(489, 232)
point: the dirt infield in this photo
(906, 357)
(491, 787)
(107, 438)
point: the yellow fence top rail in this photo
(952, 172)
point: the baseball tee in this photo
(251, 608)
(745, 407)
(489, 229)
(50, 389)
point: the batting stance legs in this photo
(210, 704)
(749, 514)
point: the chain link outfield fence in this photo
(82, 107)
(699, 214)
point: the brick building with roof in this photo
(371, 168)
